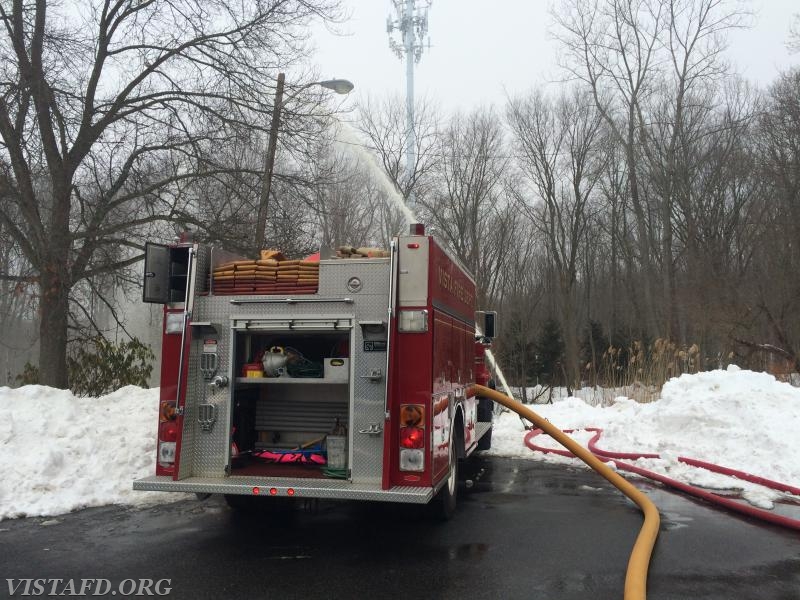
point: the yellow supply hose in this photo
(636, 576)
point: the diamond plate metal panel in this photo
(303, 488)
(210, 448)
(200, 268)
(373, 273)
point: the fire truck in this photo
(353, 386)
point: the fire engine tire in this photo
(485, 443)
(485, 412)
(447, 498)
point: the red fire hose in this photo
(751, 511)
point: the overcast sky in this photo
(480, 50)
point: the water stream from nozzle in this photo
(350, 139)
(496, 368)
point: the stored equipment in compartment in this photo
(355, 389)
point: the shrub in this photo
(98, 366)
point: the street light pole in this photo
(340, 86)
(269, 163)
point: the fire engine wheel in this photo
(485, 412)
(447, 498)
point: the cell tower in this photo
(412, 24)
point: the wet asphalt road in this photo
(523, 530)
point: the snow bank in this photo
(59, 453)
(734, 418)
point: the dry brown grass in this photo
(640, 371)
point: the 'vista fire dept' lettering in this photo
(454, 286)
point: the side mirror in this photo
(486, 322)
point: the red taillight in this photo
(167, 446)
(412, 437)
(168, 431)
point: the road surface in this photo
(523, 530)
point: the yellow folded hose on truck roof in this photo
(636, 576)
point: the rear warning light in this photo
(167, 437)
(256, 491)
(412, 437)
(412, 415)
(168, 432)
(412, 460)
(413, 246)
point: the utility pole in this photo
(412, 24)
(269, 164)
(340, 86)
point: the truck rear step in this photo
(302, 488)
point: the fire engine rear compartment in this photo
(281, 424)
(348, 320)
(344, 328)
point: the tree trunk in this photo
(53, 308)
(569, 330)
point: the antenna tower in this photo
(411, 23)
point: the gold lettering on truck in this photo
(453, 286)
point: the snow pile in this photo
(59, 453)
(738, 419)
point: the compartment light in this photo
(412, 321)
(174, 323)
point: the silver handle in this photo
(374, 376)
(291, 300)
(373, 429)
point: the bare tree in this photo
(468, 207)
(650, 66)
(794, 35)
(559, 144)
(105, 108)
(382, 122)
(769, 305)
(611, 46)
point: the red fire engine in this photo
(354, 387)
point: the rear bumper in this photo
(303, 488)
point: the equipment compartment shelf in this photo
(289, 380)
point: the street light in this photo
(340, 86)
